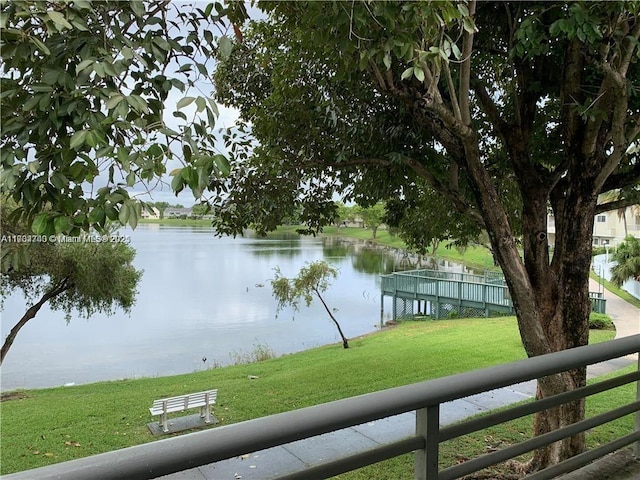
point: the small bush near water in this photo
(258, 354)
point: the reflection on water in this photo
(200, 296)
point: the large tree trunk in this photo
(29, 314)
(551, 298)
(566, 317)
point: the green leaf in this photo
(58, 180)
(131, 179)
(186, 151)
(469, 25)
(225, 47)
(387, 60)
(61, 224)
(83, 65)
(114, 100)
(138, 7)
(183, 102)
(419, 73)
(177, 184)
(97, 215)
(214, 106)
(222, 164)
(123, 216)
(41, 46)
(59, 20)
(126, 53)
(111, 212)
(408, 73)
(456, 51)
(78, 139)
(201, 104)
(134, 214)
(40, 224)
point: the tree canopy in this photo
(85, 89)
(88, 275)
(504, 111)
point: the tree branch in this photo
(618, 181)
(30, 313)
(446, 190)
(490, 107)
(629, 46)
(616, 205)
(570, 91)
(465, 70)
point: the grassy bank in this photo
(41, 427)
(176, 222)
(474, 257)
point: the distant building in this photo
(147, 214)
(609, 228)
(354, 222)
(172, 212)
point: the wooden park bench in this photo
(201, 400)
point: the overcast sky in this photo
(226, 119)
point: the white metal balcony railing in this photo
(176, 454)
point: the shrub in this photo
(258, 354)
(600, 321)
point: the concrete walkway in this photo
(625, 316)
(295, 456)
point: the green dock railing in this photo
(451, 294)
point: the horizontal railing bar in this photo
(584, 458)
(359, 460)
(489, 420)
(175, 454)
(534, 443)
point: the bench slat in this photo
(183, 402)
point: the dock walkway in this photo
(443, 294)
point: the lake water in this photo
(200, 297)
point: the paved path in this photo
(625, 316)
(276, 461)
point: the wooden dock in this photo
(441, 294)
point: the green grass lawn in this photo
(41, 427)
(473, 256)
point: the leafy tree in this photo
(373, 216)
(161, 206)
(84, 88)
(627, 258)
(312, 280)
(200, 209)
(506, 110)
(344, 213)
(426, 220)
(89, 275)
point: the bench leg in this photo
(205, 412)
(163, 422)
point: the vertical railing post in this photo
(636, 446)
(428, 427)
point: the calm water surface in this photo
(200, 297)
